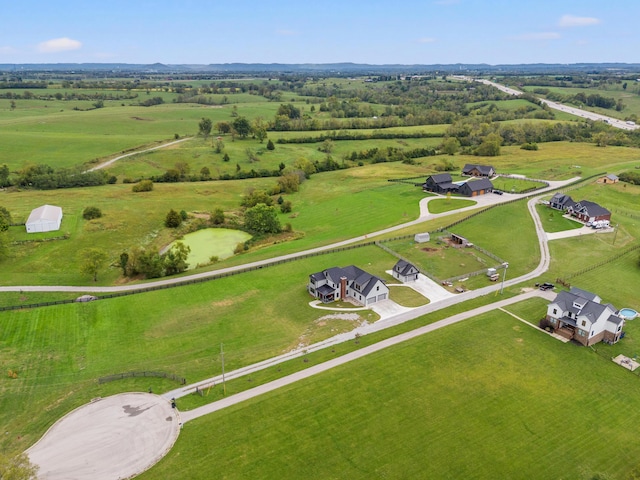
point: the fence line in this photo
(563, 280)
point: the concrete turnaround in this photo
(110, 438)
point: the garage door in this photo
(371, 300)
(382, 297)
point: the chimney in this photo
(343, 287)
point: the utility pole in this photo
(504, 276)
(224, 385)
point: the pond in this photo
(209, 242)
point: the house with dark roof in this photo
(476, 187)
(349, 283)
(405, 271)
(472, 170)
(440, 183)
(560, 201)
(587, 211)
(578, 315)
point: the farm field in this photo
(554, 221)
(476, 403)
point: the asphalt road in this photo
(578, 112)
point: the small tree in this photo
(90, 213)
(6, 216)
(205, 173)
(285, 207)
(262, 219)
(173, 219)
(124, 263)
(242, 126)
(175, 260)
(204, 127)
(219, 146)
(225, 157)
(270, 145)
(451, 146)
(92, 260)
(217, 217)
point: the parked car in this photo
(498, 192)
(547, 286)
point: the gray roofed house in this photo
(349, 283)
(405, 271)
(478, 170)
(560, 201)
(588, 211)
(611, 178)
(476, 187)
(579, 315)
(440, 183)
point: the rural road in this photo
(578, 112)
(137, 152)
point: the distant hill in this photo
(337, 68)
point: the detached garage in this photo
(46, 218)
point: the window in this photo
(584, 323)
(555, 311)
(378, 288)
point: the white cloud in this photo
(63, 44)
(426, 40)
(537, 36)
(573, 21)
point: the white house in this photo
(348, 283)
(579, 315)
(46, 218)
(405, 271)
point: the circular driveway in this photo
(110, 438)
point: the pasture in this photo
(486, 408)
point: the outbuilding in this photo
(46, 218)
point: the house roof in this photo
(613, 177)
(441, 178)
(584, 294)
(562, 199)
(49, 213)
(591, 208)
(483, 169)
(404, 268)
(481, 184)
(354, 275)
(580, 306)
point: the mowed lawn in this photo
(487, 398)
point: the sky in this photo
(321, 31)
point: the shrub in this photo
(529, 146)
(285, 207)
(143, 186)
(112, 180)
(90, 213)
(173, 219)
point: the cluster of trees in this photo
(390, 154)
(44, 177)
(590, 100)
(151, 264)
(346, 135)
(630, 177)
(67, 96)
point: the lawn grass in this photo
(407, 296)
(486, 408)
(514, 185)
(554, 220)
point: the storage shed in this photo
(46, 218)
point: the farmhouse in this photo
(349, 283)
(46, 218)
(404, 271)
(589, 211)
(578, 315)
(611, 178)
(440, 183)
(478, 170)
(476, 187)
(560, 201)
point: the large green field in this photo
(487, 398)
